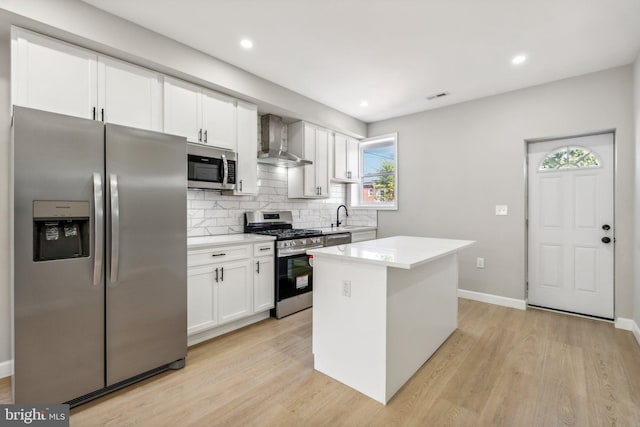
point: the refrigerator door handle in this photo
(115, 226)
(98, 223)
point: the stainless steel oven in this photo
(294, 275)
(210, 168)
(293, 272)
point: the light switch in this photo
(346, 288)
(502, 210)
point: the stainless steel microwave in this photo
(210, 168)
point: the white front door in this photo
(571, 230)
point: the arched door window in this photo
(569, 158)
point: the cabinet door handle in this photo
(220, 254)
(241, 186)
(200, 135)
(217, 275)
(93, 113)
(102, 114)
(265, 249)
(222, 274)
(205, 136)
(258, 267)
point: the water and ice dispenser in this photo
(60, 229)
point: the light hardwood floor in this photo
(502, 367)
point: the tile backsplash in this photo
(212, 213)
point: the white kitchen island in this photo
(381, 308)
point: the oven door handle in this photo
(282, 252)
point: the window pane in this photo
(569, 158)
(378, 173)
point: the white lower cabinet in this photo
(361, 236)
(263, 286)
(234, 290)
(202, 310)
(228, 286)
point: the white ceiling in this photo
(393, 53)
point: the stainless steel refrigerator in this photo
(99, 244)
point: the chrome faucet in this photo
(346, 212)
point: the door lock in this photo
(606, 227)
(606, 240)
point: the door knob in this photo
(606, 240)
(606, 227)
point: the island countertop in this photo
(398, 251)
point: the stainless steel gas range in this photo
(293, 272)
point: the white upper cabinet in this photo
(53, 76)
(353, 159)
(129, 95)
(182, 110)
(322, 161)
(310, 143)
(200, 115)
(345, 159)
(247, 138)
(218, 120)
(309, 153)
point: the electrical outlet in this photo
(502, 210)
(346, 288)
(480, 262)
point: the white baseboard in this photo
(520, 304)
(198, 337)
(624, 324)
(628, 325)
(6, 368)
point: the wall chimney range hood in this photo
(274, 148)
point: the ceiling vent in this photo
(437, 95)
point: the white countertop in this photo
(399, 251)
(204, 241)
(347, 229)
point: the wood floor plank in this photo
(501, 367)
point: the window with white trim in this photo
(569, 157)
(378, 188)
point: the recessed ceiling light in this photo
(518, 59)
(364, 104)
(246, 43)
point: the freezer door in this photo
(146, 251)
(58, 308)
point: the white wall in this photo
(636, 115)
(457, 163)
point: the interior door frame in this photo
(526, 209)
